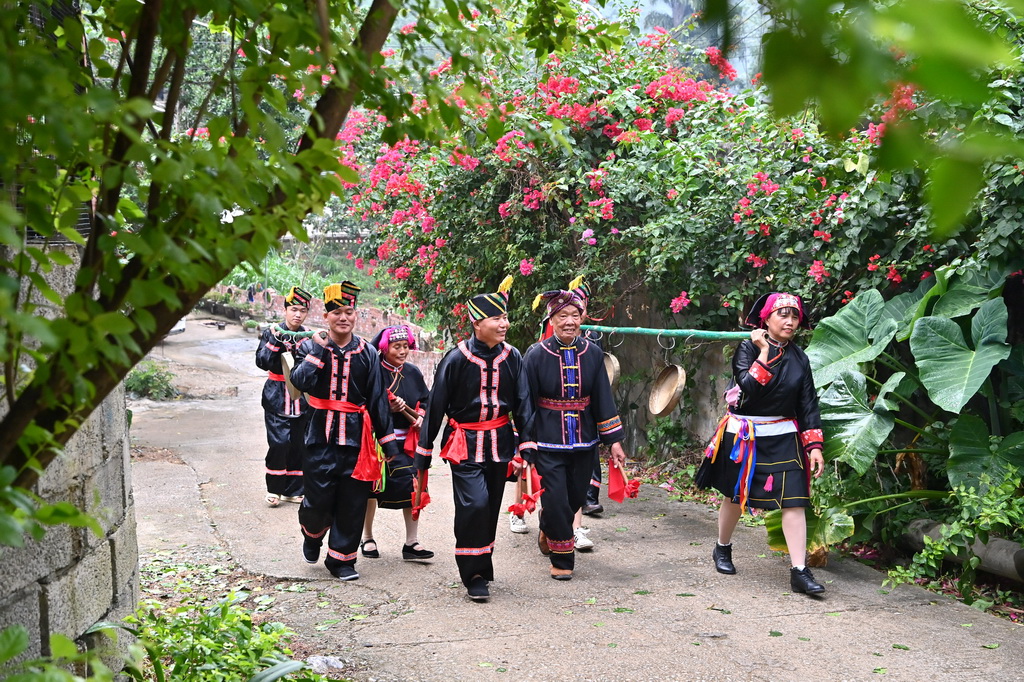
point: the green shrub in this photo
(200, 644)
(150, 380)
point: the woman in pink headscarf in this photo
(769, 443)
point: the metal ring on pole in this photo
(663, 346)
(611, 344)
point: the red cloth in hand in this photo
(618, 487)
(419, 484)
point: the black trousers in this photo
(594, 491)
(478, 488)
(286, 438)
(565, 477)
(334, 502)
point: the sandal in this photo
(297, 499)
(369, 553)
(411, 553)
(273, 499)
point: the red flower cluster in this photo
(818, 271)
(873, 263)
(901, 100)
(725, 69)
(757, 261)
(675, 86)
(679, 302)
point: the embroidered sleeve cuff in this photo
(387, 439)
(313, 360)
(760, 373)
(529, 445)
(273, 347)
(609, 426)
(426, 452)
(812, 438)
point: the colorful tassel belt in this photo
(564, 405)
(763, 426)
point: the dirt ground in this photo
(646, 604)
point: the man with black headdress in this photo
(341, 374)
(286, 417)
(478, 385)
(574, 412)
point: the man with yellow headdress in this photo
(478, 385)
(341, 375)
(285, 417)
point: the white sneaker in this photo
(517, 524)
(583, 543)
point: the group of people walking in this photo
(358, 429)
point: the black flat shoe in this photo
(410, 553)
(722, 554)
(803, 581)
(477, 589)
(369, 553)
(310, 551)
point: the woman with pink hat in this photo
(769, 443)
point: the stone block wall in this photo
(72, 578)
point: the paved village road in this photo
(646, 604)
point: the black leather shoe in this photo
(477, 589)
(310, 551)
(722, 554)
(802, 580)
(592, 509)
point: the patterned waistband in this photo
(564, 405)
(763, 426)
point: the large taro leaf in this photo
(930, 289)
(832, 527)
(855, 334)
(970, 290)
(904, 308)
(950, 370)
(972, 453)
(854, 428)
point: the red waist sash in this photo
(368, 465)
(275, 377)
(455, 450)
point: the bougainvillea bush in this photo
(622, 166)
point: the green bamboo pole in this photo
(700, 334)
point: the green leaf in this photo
(13, 641)
(953, 184)
(972, 455)
(951, 371)
(857, 333)
(901, 647)
(278, 671)
(970, 290)
(830, 528)
(774, 633)
(62, 646)
(989, 646)
(11, 532)
(854, 428)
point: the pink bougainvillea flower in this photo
(873, 263)
(679, 302)
(526, 266)
(818, 271)
(894, 275)
(757, 261)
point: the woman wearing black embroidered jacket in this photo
(769, 443)
(574, 412)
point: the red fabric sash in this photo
(368, 465)
(275, 377)
(455, 450)
(411, 439)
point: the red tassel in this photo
(768, 483)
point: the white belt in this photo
(763, 426)
(401, 433)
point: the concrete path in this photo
(646, 604)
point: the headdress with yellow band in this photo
(297, 296)
(483, 306)
(338, 295)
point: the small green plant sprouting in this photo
(150, 380)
